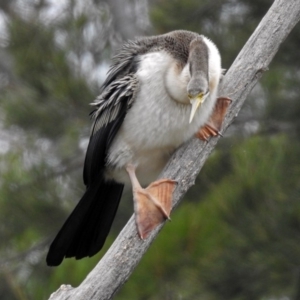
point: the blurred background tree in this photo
(237, 234)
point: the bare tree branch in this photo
(123, 256)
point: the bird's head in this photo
(192, 80)
(198, 86)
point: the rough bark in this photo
(123, 256)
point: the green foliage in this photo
(48, 85)
(45, 110)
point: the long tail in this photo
(84, 232)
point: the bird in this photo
(159, 92)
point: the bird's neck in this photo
(176, 81)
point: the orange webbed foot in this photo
(214, 124)
(152, 205)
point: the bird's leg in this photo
(153, 204)
(214, 124)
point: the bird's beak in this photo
(196, 103)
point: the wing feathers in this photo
(108, 103)
(111, 108)
(85, 231)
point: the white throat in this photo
(176, 82)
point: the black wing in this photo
(86, 229)
(111, 108)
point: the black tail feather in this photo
(84, 232)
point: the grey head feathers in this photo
(176, 43)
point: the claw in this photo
(214, 124)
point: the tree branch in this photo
(123, 256)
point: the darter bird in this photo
(159, 92)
